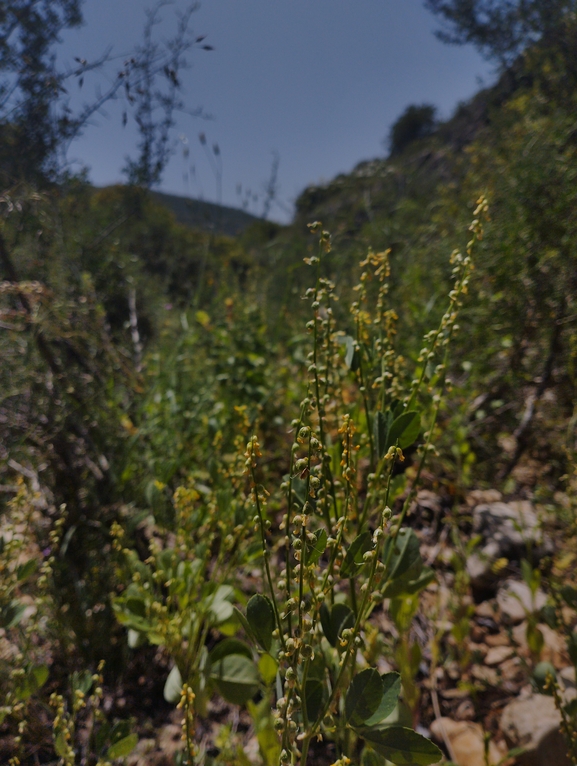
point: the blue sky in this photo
(318, 81)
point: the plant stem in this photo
(266, 556)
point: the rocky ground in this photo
(489, 628)
(483, 699)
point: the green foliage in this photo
(306, 630)
(140, 356)
(37, 122)
(415, 122)
(33, 120)
(500, 29)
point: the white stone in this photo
(533, 723)
(515, 601)
(467, 742)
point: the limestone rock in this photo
(554, 648)
(466, 741)
(566, 678)
(479, 496)
(515, 600)
(498, 654)
(141, 755)
(170, 740)
(533, 723)
(512, 670)
(506, 529)
(499, 639)
(485, 675)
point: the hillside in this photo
(206, 216)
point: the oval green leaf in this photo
(230, 646)
(25, 570)
(313, 698)
(315, 550)
(335, 620)
(123, 747)
(354, 557)
(363, 697)
(391, 685)
(268, 668)
(236, 678)
(135, 638)
(12, 614)
(260, 617)
(405, 429)
(401, 745)
(173, 685)
(381, 426)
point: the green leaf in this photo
(391, 683)
(120, 730)
(315, 550)
(317, 667)
(219, 604)
(403, 557)
(123, 747)
(166, 561)
(370, 758)
(412, 582)
(40, 674)
(25, 570)
(299, 491)
(313, 700)
(136, 606)
(101, 736)
(421, 582)
(363, 697)
(404, 429)
(269, 745)
(541, 672)
(34, 679)
(549, 616)
(236, 678)
(335, 620)
(12, 614)
(405, 553)
(354, 557)
(82, 681)
(135, 638)
(401, 745)
(173, 685)
(230, 646)
(535, 639)
(260, 616)
(381, 426)
(351, 354)
(244, 622)
(569, 594)
(268, 668)
(60, 745)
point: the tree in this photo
(152, 87)
(500, 29)
(34, 120)
(414, 123)
(37, 123)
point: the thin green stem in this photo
(266, 556)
